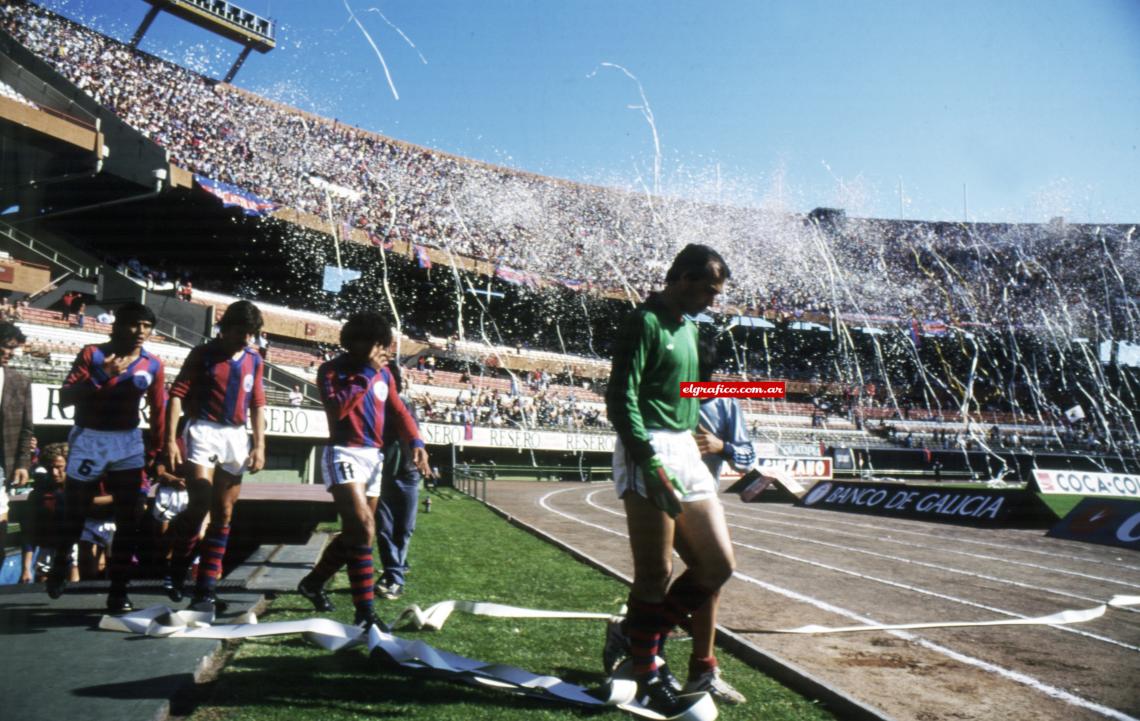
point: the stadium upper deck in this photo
(1063, 280)
(530, 227)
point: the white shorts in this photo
(3, 499)
(210, 444)
(343, 464)
(97, 532)
(169, 502)
(678, 451)
(92, 452)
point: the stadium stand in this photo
(867, 320)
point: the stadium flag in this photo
(1075, 414)
(423, 260)
(512, 276)
(233, 196)
(575, 285)
(468, 432)
(915, 336)
(934, 327)
(376, 240)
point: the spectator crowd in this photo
(537, 229)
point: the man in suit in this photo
(15, 423)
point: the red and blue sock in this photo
(213, 552)
(360, 577)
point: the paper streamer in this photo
(1060, 618)
(415, 657)
(419, 658)
(437, 614)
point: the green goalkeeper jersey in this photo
(655, 352)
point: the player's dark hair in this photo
(133, 312)
(699, 262)
(242, 314)
(11, 332)
(52, 451)
(366, 328)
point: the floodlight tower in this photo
(221, 18)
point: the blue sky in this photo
(1033, 108)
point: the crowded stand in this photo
(870, 322)
(527, 226)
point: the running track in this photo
(808, 566)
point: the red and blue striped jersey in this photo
(112, 404)
(217, 388)
(359, 400)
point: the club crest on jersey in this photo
(380, 390)
(142, 379)
(247, 382)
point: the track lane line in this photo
(1009, 674)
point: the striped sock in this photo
(332, 560)
(360, 577)
(213, 551)
(645, 625)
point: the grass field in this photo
(460, 551)
(1060, 504)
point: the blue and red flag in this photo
(233, 196)
(385, 243)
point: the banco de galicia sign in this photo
(950, 505)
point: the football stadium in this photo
(937, 515)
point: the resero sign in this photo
(1087, 483)
(1108, 521)
(983, 507)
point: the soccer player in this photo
(668, 493)
(170, 499)
(722, 436)
(360, 398)
(105, 385)
(219, 387)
